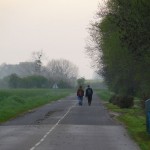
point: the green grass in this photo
(134, 120)
(104, 94)
(17, 101)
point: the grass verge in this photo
(14, 102)
(134, 120)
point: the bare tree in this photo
(94, 41)
(38, 57)
(62, 70)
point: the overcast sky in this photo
(58, 27)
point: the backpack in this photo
(80, 93)
(89, 91)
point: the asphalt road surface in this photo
(63, 125)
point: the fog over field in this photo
(59, 28)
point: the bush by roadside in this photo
(122, 101)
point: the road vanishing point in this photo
(63, 125)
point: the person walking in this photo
(89, 93)
(80, 94)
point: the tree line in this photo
(34, 74)
(120, 46)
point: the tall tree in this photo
(81, 81)
(121, 48)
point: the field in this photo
(16, 101)
(133, 119)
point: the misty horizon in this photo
(59, 28)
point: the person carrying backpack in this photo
(80, 94)
(89, 93)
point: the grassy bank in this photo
(133, 119)
(15, 102)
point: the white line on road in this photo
(44, 137)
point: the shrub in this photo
(126, 102)
(113, 99)
(122, 101)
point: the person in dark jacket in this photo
(80, 94)
(89, 93)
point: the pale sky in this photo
(58, 27)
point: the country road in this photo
(63, 125)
